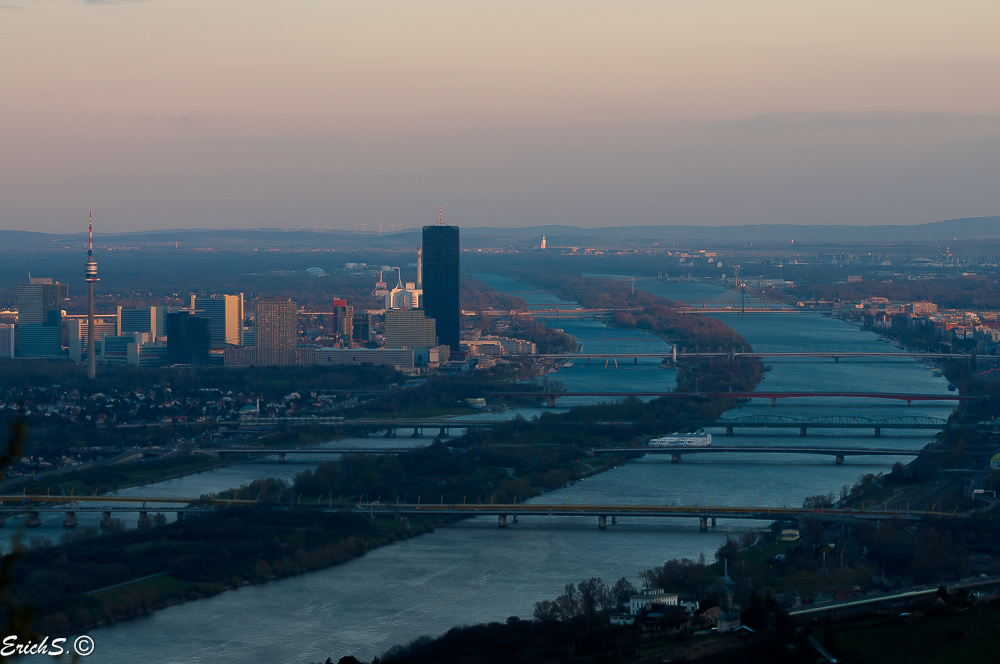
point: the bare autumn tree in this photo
(622, 591)
(590, 593)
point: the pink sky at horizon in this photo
(244, 113)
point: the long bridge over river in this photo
(835, 354)
(580, 313)
(34, 506)
(909, 398)
(704, 513)
(839, 453)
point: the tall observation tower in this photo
(90, 278)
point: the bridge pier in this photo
(674, 458)
(602, 522)
(106, 518)
(840, 459)
(443, 433)
(144, 520)
(514, 518)
(390, 432)
(836, 359)
(635, 360)
(713, 522)
(3, 518)
(703, 523)
(614, 520)
(34, 520)
(774, 401)
(281, 458)
(69, 521)
(180, 515)
(417, 433)
(550, 402)
(878, 432)
(729, 431)
(502, 521)
(802, 431)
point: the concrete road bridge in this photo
(839, 453)
(34, 506)
(444, 426)
(803, 424)
(835, 354)
(283, 453)
(550, 397)
(705, 514)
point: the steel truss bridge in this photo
(35, 505)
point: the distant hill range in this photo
(972, 228)
(762, 235)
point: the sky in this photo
(327, 113)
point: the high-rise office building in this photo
(188, 338)
(226, 314)
(276, 332)
(147, 320)
(78, 335)
(440, 281)
(409, 328)
(6, 340)
(343, 322)
(39, 317)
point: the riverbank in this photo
(88, 580)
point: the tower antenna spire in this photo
(441, 221)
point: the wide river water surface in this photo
(475, 572)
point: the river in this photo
(475, 572)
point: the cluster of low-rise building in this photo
(979, 327)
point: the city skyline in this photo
(173, 114)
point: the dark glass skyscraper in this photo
(188, 338)
(440, 283)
